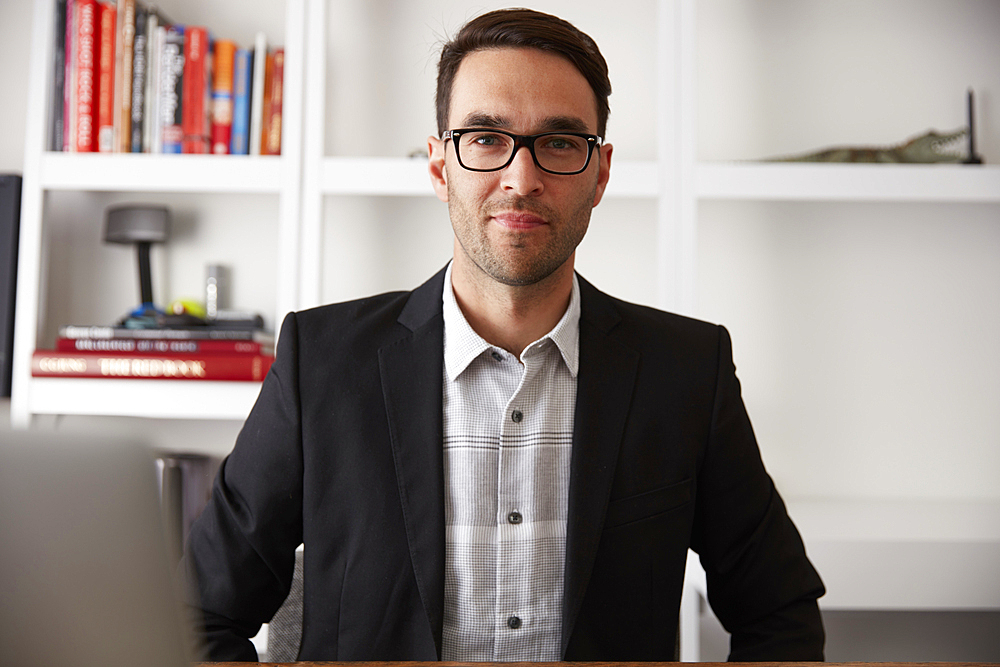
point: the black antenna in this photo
(973, 157)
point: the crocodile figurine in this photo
(930, 147)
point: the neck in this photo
(510, 316)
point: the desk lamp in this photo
(142, 225)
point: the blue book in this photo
(239, 142)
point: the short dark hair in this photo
(524, 28)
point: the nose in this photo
(522, 176)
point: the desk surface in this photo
(595, 664)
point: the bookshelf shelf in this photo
(848, 182)
(176, 399)
(162, 173)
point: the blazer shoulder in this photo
(373, 319)
(642, 324)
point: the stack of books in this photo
(175, 353)
(127, 80)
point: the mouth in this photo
(518, 220)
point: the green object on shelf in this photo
(928, 148)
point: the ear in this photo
(603, 171)
(436, 168)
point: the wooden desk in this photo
(595, 664)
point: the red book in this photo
(197, 71)
(222, 96)
(230, 367)
(85, 76)
(106, 78)
(161, 346)
(271, 140)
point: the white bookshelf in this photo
(165, 399)
(848, 182)
(47, 173)
(164, 173)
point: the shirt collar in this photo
(462, 344)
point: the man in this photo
(504, 464)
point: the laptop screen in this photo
(84, 569)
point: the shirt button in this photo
(513, 622)
(517, 416)
(497, 355)
(514, 517)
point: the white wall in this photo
(864, 334)
(15, 45)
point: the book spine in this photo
(172, 89)
(272, 127)
(222, 96)
(265, 112)
(137, 90)
(152, 123)
(195, 118)
(69, 76)
(124, 75)
(58, 79)
(257, 92)
(87, 37)
(52, 363)
(159, 346)
(242, 68)
(195, 333)
(106, 77)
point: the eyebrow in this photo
(550, 124)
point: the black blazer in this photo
(342, 451)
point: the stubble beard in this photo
(508, 256)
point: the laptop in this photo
(85, 575)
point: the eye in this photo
(562, 142)
(486, 140)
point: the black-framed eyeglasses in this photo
(565, 153)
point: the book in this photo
(162, 346)
(69, 75)
(58, 78)
(231, 367)
(172, 89)
(257, 92)
(197, 74)
(239, 143)
(222, 95)
(105, 87)
(265, 110)
(85, 73)
(136, 89)
(271, 139)
(174, 333)
(152, 121)
(124, 59)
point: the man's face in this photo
(520, 224)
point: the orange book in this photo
(222, 96)
(271, 139)
(265, 112)
(106, 78)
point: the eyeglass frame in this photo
(526, 141)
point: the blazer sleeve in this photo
(761, 585)
(240, 553)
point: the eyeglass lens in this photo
(564, 153)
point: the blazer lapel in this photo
(603, 397)
(411, 371)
